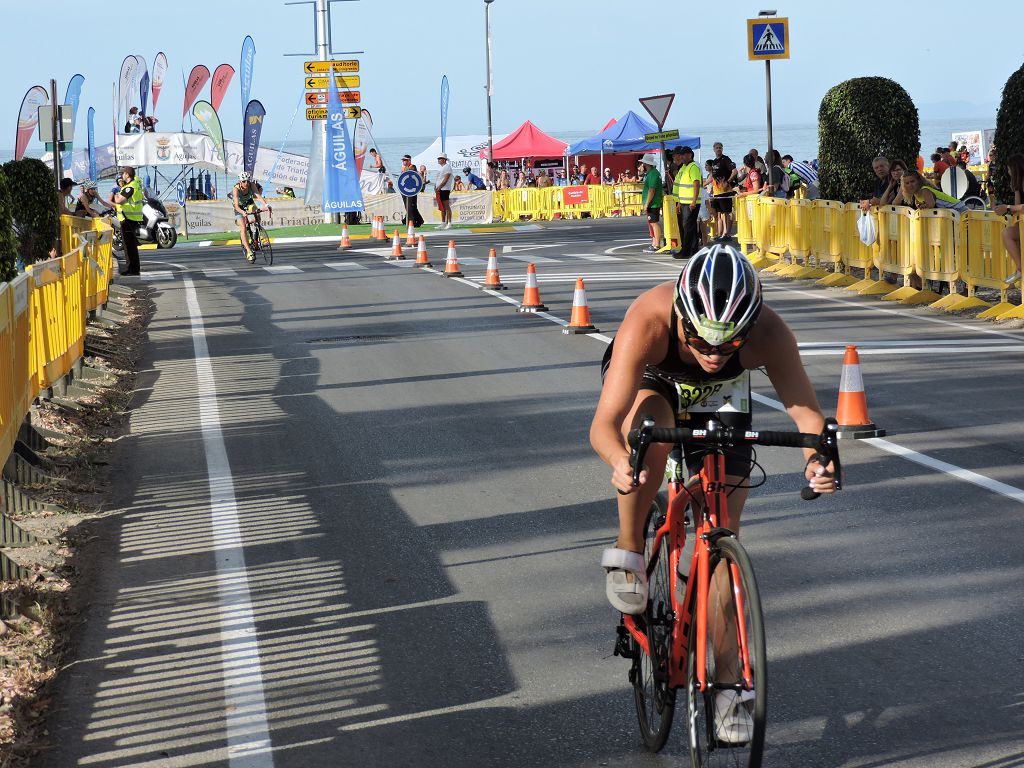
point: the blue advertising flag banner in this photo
(245, 68)
(92, 144)
(144, 92)
(72, 97)
(444, 110)
(341, 181)
(254, 114)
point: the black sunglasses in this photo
(724, 349)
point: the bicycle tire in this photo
(706, 750)
(655, 702)
(264, 244)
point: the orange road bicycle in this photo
(715, 654)
(259, 240)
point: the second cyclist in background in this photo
(244, 196)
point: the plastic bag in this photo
(867, 228)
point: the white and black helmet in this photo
(245, 176)
(718, 294)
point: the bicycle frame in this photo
(694, 605)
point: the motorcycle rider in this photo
(245, 192)
(128, 201)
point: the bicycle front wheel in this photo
(727, 720)
(655, 702)
(265, 247)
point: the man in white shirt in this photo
(443, 190)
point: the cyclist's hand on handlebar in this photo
(622, 475)
(820, 478)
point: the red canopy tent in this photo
(527, 141)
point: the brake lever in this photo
(639, 452)
(828, 453)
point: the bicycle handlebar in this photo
(825, 445)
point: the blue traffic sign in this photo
(768, 38)
(181, 193)
(410, 183)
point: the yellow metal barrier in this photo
(48, 330)
(73, 289)
(827, 222)
(895, 256)
(670, 224)
(934, 234)
(770, 225)
(986, 263)
(856, 255)
(799, 236)
(26, 380)
(744, 208)
(8, 417)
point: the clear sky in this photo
(569, 65)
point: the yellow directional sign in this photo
(323, 67)
(320, 113)
(343, 81)
(320, 97)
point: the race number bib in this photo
(732, 396)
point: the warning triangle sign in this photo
(771, 40)
(658, 107)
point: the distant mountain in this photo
(942, 110)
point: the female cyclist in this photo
(243, 196)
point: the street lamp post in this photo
(487, 31)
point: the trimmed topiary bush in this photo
(8, 242)
(33, 208)
(1009, 138)
(858, 120)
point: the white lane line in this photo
(953, 350)
(913, 343)
(924, 460)
(245, 708)
(344, 266)
(283, 269)
(597, 257)
(401, 262)
(159, 274)
(219, 272)
(529, 257)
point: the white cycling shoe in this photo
(733, 722)
(626, 583)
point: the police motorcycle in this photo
(155, 227)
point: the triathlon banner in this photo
(245, 68)
(207, 116)
(28, 118)
(221, 77)
(199, 76)
(205, 216)
(252, 126)
(159, 70)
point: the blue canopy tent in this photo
(625, 135)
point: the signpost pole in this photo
(323, 48)
(55, 136)
(768, 94)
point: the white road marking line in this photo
(924, 460)
(219, 272)
(530, 258)
(282, 269)
(953, 350)
(160, 274)
(597, 257)
(344, 266)
(245, 710)
(914, 343)
(401, 262)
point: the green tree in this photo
(1009, 138)
(33, 208)
(8, 243)
(859, 120)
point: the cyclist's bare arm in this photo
(775, 349)
(642, 338)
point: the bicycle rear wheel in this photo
(729, 731)
(265, 247)
(655, 703)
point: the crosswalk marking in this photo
(159, 274)
(282, 269)
(595, 257)
(530, 258)
(402, 263)
(219, 272)
(344, 266)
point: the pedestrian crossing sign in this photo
(767, 38)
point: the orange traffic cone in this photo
(410, 237)
(451, 265)
(396, 247)
(579, 320)
(531, 293)
(493, 279)
(373, 228)
(852, 410)
(421, 254)
(381, 231)
(346, 242)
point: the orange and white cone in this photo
(396, 247)
(346, 241)
(410, 236)
(531, 293)
(493, 280)
(381, 231)
(451, 264)
(852, 409)
(421, 254)
(373, 228)
(579, 320)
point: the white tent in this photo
(463, 152)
